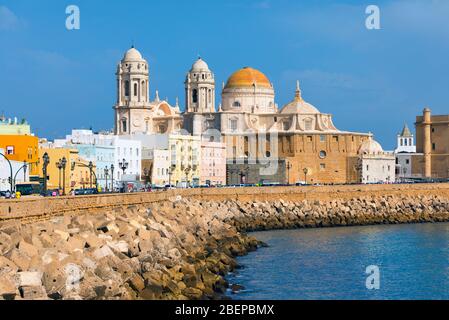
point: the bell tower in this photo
(132, 90)
(200, 88)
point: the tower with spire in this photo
(405, 141)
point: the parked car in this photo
(80, 192)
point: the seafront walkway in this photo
(41, 208)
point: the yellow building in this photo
(80, 174)
(21, 148)
(184, 159)
(76, 173)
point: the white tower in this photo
(132, 90)
(406, 141)
(200, 88)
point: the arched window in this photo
(210, 95)
(135, 89)
(195, 96)
(126, 88)
(124, 128)
(236, 104)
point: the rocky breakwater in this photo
(369, 210)
(175, 249)
(172, 250)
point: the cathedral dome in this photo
(370, 146)
(133, 55)
(247, 77)
(298, 105)
(200, 65)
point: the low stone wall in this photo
(178, 245)
(41, 208)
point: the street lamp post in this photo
(306, 171)
(46, 159)
(25, 171)
(106, 172)
(112, 177)
(59, 166)
(90, 166)
(63, 164)
(123, 165)
(288, 167)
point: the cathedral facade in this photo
(299, 141)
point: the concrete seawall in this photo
(177, 244)
(41, 208)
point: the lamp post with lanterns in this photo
(90, 166)
(123, 165)
(306, 171)
(106, 173)
(46, 161)
(59, 166)
(63, 164)
(112, 177)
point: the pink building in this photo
(213, 163)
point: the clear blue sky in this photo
(369, 80)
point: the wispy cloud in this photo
(8, 20)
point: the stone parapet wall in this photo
(41, 208)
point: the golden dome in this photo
(247, 77)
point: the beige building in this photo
(432, 140)
(134, 112)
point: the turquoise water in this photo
(331, 263)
